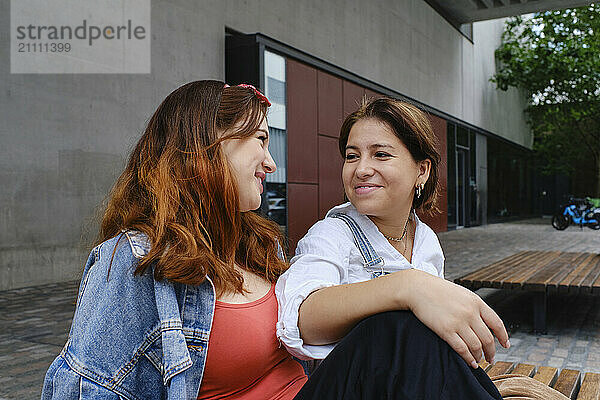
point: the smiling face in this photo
(250, 161)
(379, 173)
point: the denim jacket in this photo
(132, 337)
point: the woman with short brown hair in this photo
(366, 285)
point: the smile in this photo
(366, 189)
(260, 177)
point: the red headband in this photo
(263, 99)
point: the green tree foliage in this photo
(554, 57)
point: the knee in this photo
(390, 338)
(391, 319)
(394, 323)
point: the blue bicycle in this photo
(579, 212)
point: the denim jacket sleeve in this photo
(61, 382)
(126, 340)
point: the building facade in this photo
(65, 138)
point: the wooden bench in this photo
(541, 272)
(570, 382)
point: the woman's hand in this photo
(456, 315)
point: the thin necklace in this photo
(401, 238)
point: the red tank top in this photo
(245, 360)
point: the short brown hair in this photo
(413, 128)
(178, 189)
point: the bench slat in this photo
(596, 286)
(524, 369)
(546, 375)
(588, 283)
(590, 387)
(481, 272)
(516, 270)
(474, 279)
(539, 271)
(485, 365)
(493, 267)
(500, 368)
(568, 382)
(572, 282)
(525, 273)
(543, 272)
(552, 273)
(515, 267)
(504, 268)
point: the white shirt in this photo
(327, 256)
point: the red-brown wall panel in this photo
(370, 94)
(330, 104)
(317, 103)
(303, 211)
(439, 222)
(352, 96)
(302, 143)
(331, 190)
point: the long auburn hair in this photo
(178, 189)
(413, 128)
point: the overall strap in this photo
(360, 239)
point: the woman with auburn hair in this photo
(177, 299)
(366, 284)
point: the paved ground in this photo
(573, 338)
(34, 322)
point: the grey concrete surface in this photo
(464, 11)
(34, 321)
(65, 137)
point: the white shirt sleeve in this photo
(319, 262)
(434, 254)
(428, 255)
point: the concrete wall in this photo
(404, 45)
(484, 106)
(65, 137)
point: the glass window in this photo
(275, 193)
(462, 136)
(276, 92)
(510, 179)
(275, 89)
